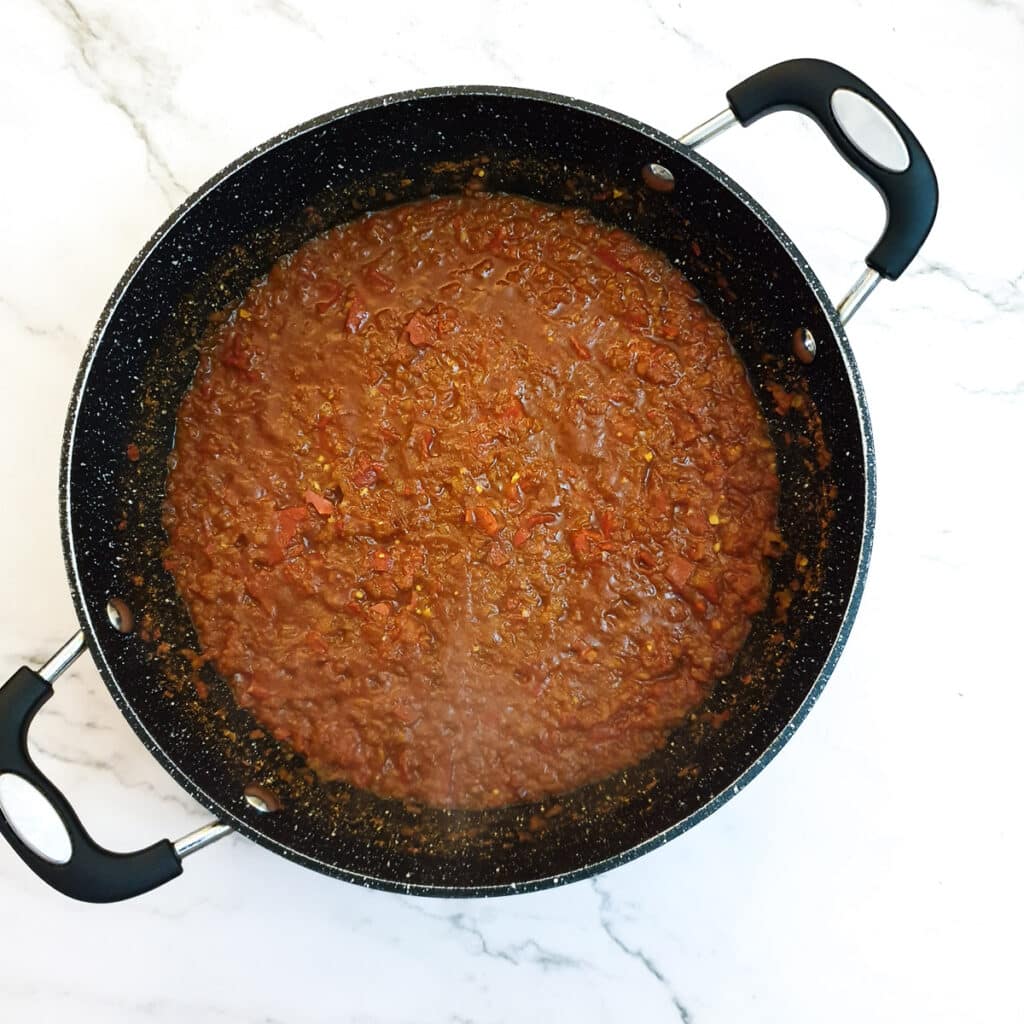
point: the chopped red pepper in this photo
(583, 543)
(678, 571)
(366, 471)
(133, 452)
(319, 502)
(423, 437)
(285, 529)
(326, 295)
(418, 332)
(581, 350)
(646, 559)
(522, 535)
(487, 522)
(288, 520)
(483, 519)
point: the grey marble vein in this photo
(690, 41)
(53, 710)
(1013, 392)
(291, 13)
(492, 49)
(607, 923)
(36, 330)
(156, 1009)
(530, 951)
(89, 71)
(462, 923)
(79, 760)
(1015, 10)
(1005, 297)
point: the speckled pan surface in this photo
(385, 151)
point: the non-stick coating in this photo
(366, 157)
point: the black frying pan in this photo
(387, 151)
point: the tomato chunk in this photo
(319, 502)
(419, 333)
(483, 519)
(678, 571)
(526, 528)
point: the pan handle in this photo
(91, 873)
(868, 133)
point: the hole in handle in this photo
(33, 820)
(869, 130)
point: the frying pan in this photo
(375, 154)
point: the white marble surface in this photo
(873, 872)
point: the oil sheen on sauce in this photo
(471, 501)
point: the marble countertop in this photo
(873, 871)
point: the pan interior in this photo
(369, 157)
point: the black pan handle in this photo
(92, 873)
(907, 184)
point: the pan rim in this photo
(228, 815)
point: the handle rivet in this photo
(805, 348)
(260, 799)
(658, 178)
(120, 615)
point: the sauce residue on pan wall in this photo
(471, 501)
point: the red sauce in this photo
(471, 500)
